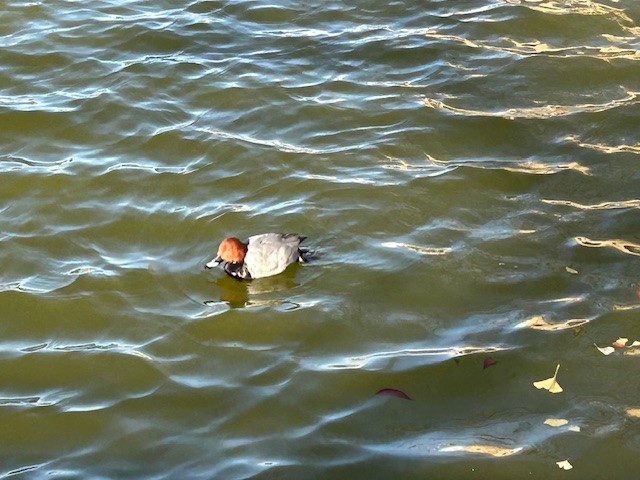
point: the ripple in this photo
(439, 157)
(507, 434)
(623, 246)
(432, 168)
(620, 47)
(389, 359)
(419, 249)
(22, 470)
(276, 144)
(602, 147)
(25, 402)
(539, 322)
(537, 112)
(15, 162)
(580, 7)
(610, 205)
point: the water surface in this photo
(466, 173)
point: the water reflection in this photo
(624, 246)
(241, 294)
(535, 112)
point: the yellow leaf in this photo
(605, 350)
(571, 270)
(555, 387)
(556, 422)
(633, 412)
(565, 465)
(550, 384)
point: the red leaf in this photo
(488, 362)
(393, 392)
(620, 343)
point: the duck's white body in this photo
(271, 253)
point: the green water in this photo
(466, 175)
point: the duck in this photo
(260, 256)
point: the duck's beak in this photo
(214, 263)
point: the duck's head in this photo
(231, 249)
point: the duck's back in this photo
(271, 253)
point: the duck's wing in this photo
(271, 253)
(279, 238)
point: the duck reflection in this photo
(241, 294)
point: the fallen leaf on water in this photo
(565, 465)
(540, 323)
(605, 350)
(571, 270)
(493, 450)
(550, 384)
(488, 362)
(620, 342)
(393, 392)
(573, 428)
(556, 422)
(633, 412)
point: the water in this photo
(466, 173)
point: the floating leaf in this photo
(573, 428)
(633, 412)
(620, 342)
(393, 392)
(539, 322)
(556, 422)
(571, 270)
(605, 350)
(565, 465)
(488, 362)
(493, 450)
(550, 384)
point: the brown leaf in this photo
(488, 362)
(393, 392)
